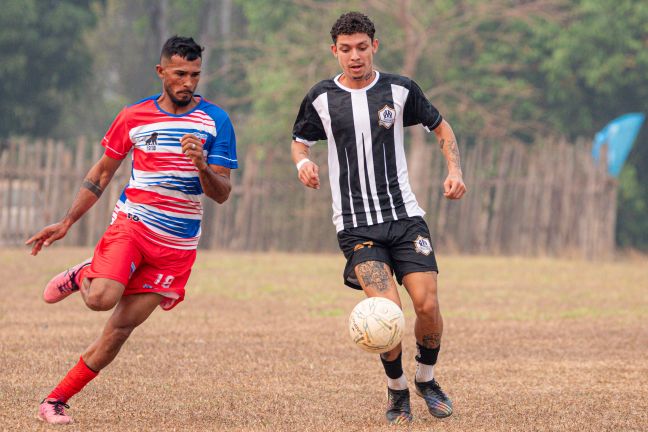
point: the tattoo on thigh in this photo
(432, 340)
(374, 274)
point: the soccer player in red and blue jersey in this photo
(183, 147)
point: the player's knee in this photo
(102, 295)
(99, 305)
(99, 301)
(427, 307)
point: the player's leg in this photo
(415, 265)
(101, 294)
(422, 287)
(102, 278)
(129, 313)
(376, 280)
(369, 268)
(428, 328)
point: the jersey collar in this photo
(157, 105)
(337, 82)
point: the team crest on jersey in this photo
(201, 136)
(422, 245)
(151, 142)
(386, 117)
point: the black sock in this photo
(427, 356)
(394, 368)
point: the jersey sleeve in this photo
(419, 110)
(308, 128)
(223, 151)
(117, 140)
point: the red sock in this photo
(74, 381)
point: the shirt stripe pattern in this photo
(366, 153)
(164, 190)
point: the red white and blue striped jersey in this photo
(164, 190)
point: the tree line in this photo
(501, 71)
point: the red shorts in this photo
(123, 254)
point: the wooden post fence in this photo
(546, 199)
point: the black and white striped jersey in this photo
(366, 154)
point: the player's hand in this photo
(309, 175)
(192, 147)
(454, 187)
(47, 236)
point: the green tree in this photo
(126, 47)
(595, 69)
(45, 62)
(500, 70)
(632, 223)
(596, 65)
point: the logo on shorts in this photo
(386, 117)
(147, 286)
(422, 245)
(362, 245)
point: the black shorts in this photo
(403, 244)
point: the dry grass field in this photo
(261, 344)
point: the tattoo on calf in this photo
(432, 340)
(374, 274)
(95, 189)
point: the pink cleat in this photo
(64, 284)
(51, 411)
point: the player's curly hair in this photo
(351, 23)
(185, 47)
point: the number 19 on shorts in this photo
(164, 281)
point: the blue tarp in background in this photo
(619, 136)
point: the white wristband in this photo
(301, 163)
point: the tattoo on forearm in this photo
(432, 340)
(441, 143)
(92, 187)
(451, 151)
(374, 274)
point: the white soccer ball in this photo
(376, 325)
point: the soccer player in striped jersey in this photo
(362, 113)
(183, 147)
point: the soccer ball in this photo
(376, 325)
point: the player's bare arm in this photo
(308, 171)
(214, 179)
(454, 187)
(91, 189)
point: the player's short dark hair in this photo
(351, 23)
(185, 47)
